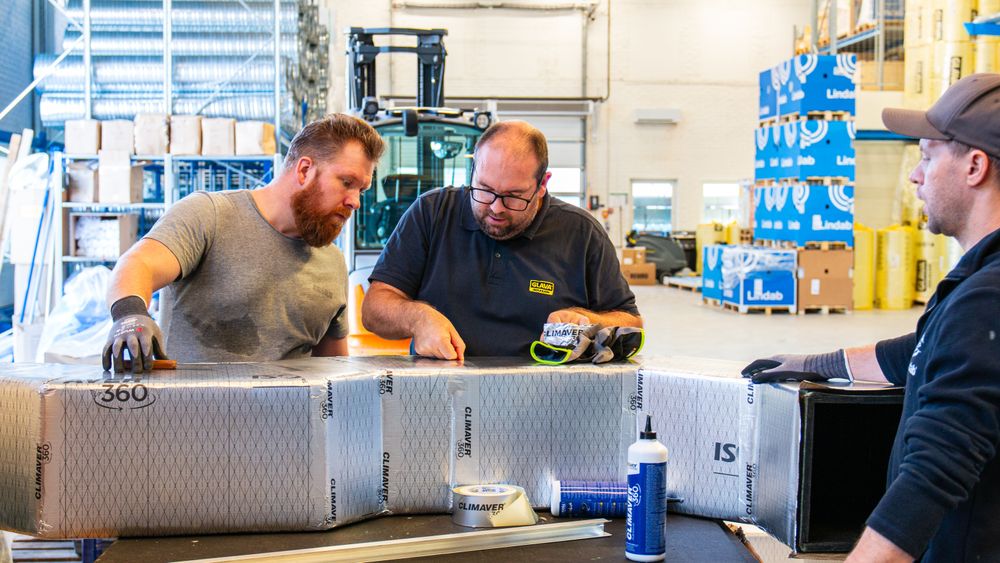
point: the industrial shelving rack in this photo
(173, 175)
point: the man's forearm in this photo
(875, 547)
(130, 277)
(390, 314)
(864, 364)
(610, 318)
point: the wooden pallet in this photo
(826, 245)
(829, 181)
(769, 122)
(825, 115)
(824, 310)
(711, 302)
(777, 244)
(688, 283)
(757, 309)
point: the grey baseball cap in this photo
(968, 112)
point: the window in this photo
(721, 201)
(652, 205)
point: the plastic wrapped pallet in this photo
(207, 448)
(117, 135)
(218, 136)
(894, 268)
(152, 133)
(864, 267)
(255, 138)
(185, 134)
(82, 136)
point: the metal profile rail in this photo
(429, 546)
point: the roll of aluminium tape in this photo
(491, 506)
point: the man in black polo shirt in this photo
(477, 271)
(943, 497)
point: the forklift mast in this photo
(361, 54)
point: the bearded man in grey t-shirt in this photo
(249, 275)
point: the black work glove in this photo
(791, 367)
(135, 330)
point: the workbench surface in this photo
(688, 539)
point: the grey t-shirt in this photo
(247, 293)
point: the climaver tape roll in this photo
(491, 506)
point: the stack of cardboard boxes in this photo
(635, 268)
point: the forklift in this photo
(428, 146)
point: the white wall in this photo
(702, 58)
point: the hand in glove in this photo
(564, 342)
(791, 367)
(617, 343)
(135, 330)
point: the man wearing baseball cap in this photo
(942, 501)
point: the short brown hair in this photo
(322, 139)
(529, 136)
(958, 148)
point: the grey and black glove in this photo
(135, 330)
(791, 367)
(617, 343)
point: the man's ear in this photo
(303, 167)
(544, 183)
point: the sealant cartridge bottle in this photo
(646, 511)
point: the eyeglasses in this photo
(512, 202)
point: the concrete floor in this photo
(677, 323)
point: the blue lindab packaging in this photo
(646, 511)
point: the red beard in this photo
(317, 228)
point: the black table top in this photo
(688, 539)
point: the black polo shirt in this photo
(943, 499)
(498, 294)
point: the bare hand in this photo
(436, 337)
(569, 316)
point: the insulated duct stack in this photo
(222, 61)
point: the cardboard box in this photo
(99, 235)
(210, 448)
(826, 278)
(120, 180)
(255, 138)
(634, 255)
(711, 275)
(816, 148)
(892, 75)
(152, 133)
(218, 136)
(117, 135)
(767, 104)
(640, 274)
(804, 213)
(765, 155)
(820, 83)
(185, 134)
(82, 136)
(82, 185)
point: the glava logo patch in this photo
(543, 287)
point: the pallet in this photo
(758, 309)
(746, 236)
(769, 122)
(777, 244)
(824, 115)
(829, 181)
(717, 303)
(826, 245)
(824, 310)
(688, 283)
(792, 245)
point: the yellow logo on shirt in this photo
(543, 287)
